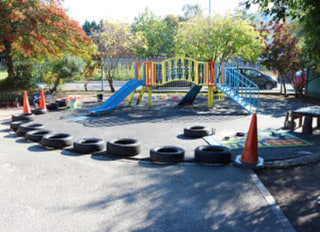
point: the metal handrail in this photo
(238, 87)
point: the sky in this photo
(126, 10)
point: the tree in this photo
(38, 28)
(218, 39)
(90, 27)
(172, 24)
(114, 41)
(308, 14)
(191, 11)
(158, 34)
(62, 69)
(283, 53)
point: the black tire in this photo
(212, 154)
(88, 145)
(36, 135)
(15, 125)
(28, 126)
(57, 141)
(22, 117)
(39, 111)
(61, 102)
(52, 106)
(167, 154)
(196, 131)
(267, 86)
(123, 147)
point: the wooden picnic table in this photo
(308, 113)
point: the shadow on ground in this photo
(296, 191)
(182, 199)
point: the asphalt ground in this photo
(54, 190)
(163, 124)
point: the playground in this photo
(89, 183)
(220, 80)
(159, 120)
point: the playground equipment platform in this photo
(219, 78)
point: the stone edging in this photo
(288, 163)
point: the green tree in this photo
(114, 41)
(218, 39)
(90, 27)
(191, 11)
(158, 33)
(38, 29)
(172, 24)
(63, 69)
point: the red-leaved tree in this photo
(283, 53)
(37, 28)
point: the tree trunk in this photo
(284, 86)
(55, 86)
(9, 61)
(110, 80)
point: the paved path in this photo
(57, 191)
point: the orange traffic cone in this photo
(249, 157)
(42, 101)
(26, 106)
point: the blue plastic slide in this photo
(117, 97)
(191, 95)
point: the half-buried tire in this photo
(57, 141)
(22, 117)
(61, 102)
(167, 154)
(28, 126)
(39, 111)
(52, 106)
(124, 147)
(212, 154)
(15, 125)
(88, 145)
(36, 135)
(196, 131)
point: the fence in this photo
(124, 69)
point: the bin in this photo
(100, 97)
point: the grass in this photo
(3, 75)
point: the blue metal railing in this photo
(238, 87)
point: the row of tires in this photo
(124, 147)
(60, 103)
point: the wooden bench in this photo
(306, 115)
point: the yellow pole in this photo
(210, 97)
(189, 70)
(130, 98)
(183, 74)
(141, 95)
(196, 73)
(150, 96)
(213, 91)
(163, 64)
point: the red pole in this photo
(137, 71)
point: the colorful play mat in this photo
(266, 139)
